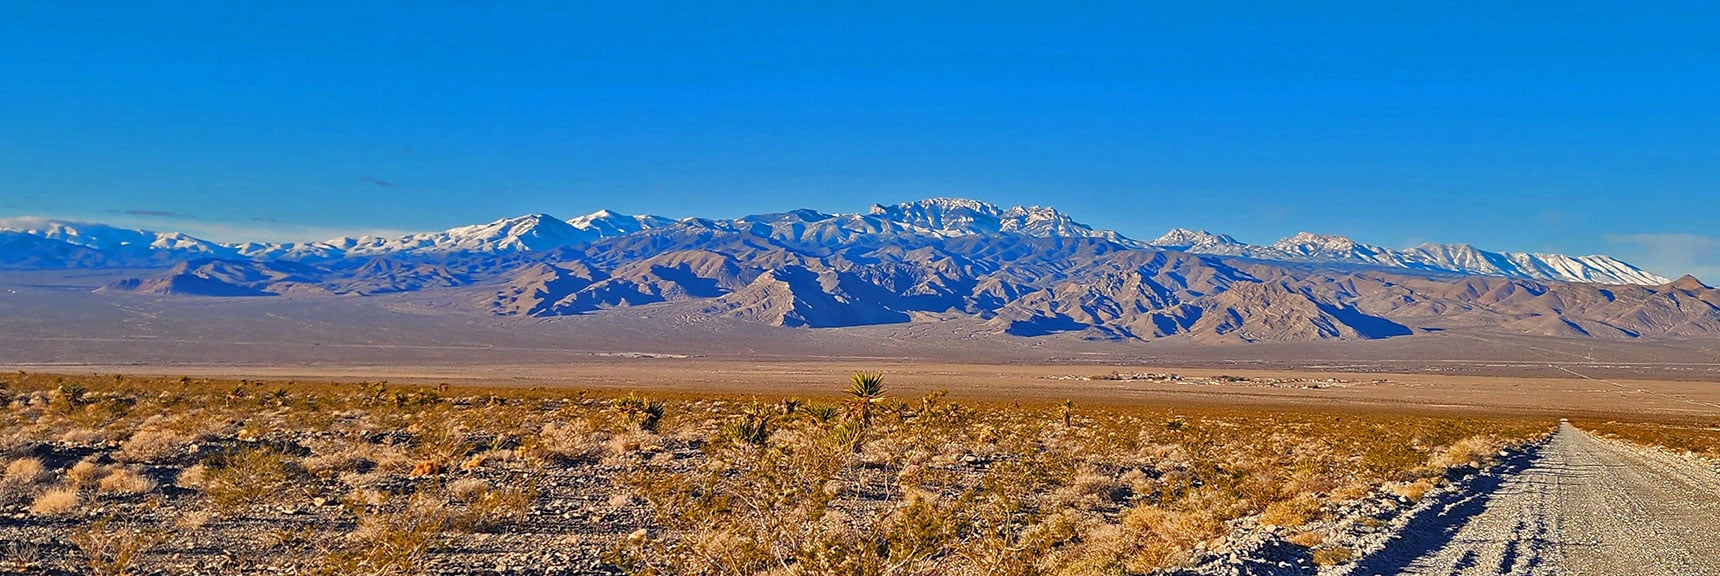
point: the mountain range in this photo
(1026, 271)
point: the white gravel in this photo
(1583, 506)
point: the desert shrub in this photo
(193, 520)
(250, 477)
(391, 543)
(85, 473)
(492, 507)
(25, 471)
(55, 501)
(909, 541)
(567, 442)
(1095, 490)
(1294, 512)
(821, 413)
(1307, 538)
(112, 549)
(195, 477)
(71, 395)
(150, 446)
(468, 489)
(1392, 459)
(441, 439)
(125, 481)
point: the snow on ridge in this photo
(1454, 258)
(608, 223)
(112, 238)
(1185, 238)
(961, 216)
(929, 218)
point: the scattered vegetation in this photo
(112, 549)
(934, 486)
(1697, 438)
(377, 478)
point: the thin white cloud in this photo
(1672, 254)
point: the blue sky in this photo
(1578, 127)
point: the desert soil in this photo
(1582, 506)
(1575, 394)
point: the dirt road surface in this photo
(1580, 506)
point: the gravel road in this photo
(1581, 506)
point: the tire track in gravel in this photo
(1583, 506)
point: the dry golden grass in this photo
(1471, 451)
(1043, 489)
(55, 501)
(111, 549)
(1293, 512)
(859, 482)
(125, 481)
(150, 446)
(1699, 438)
(195, 477)
(1412, 490)
(1328, 556)
(85, 473)
(25, 471)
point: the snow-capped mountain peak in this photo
(962, 216)
(1311, 243)
(65, 243)
(942, 205)
(110, 238)
(1451, 258)
(529, 232)
(609, 223)
(1043, 221)
(1186, 239)
(952, 215)
(1328, 247)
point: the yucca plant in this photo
(848, 436)
(645, 413)
(747, 431)
(821, 413)
(753, 427)
(866, 389)
(73, 392)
